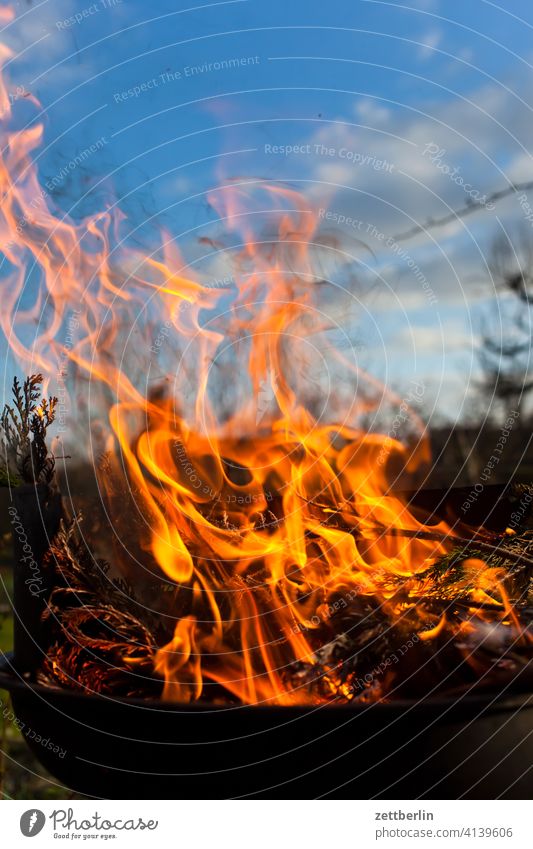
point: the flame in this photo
(262, 497)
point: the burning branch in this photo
(97, 642)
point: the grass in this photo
(21, 775)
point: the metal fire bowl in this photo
(476, 747)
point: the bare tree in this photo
(505, 348)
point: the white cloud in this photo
(372, 112)
(520, 169)
(466, 53)
(482, 137)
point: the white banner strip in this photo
(269, 824)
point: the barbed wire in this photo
(469, 208)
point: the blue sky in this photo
(367, 91)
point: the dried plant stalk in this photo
(97, 642)
(25, 456)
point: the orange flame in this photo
(264, 497)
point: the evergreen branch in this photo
(24, 428)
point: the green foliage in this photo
(448, 578)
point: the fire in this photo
(261, 499)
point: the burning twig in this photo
(476, 541)
(97, 641)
